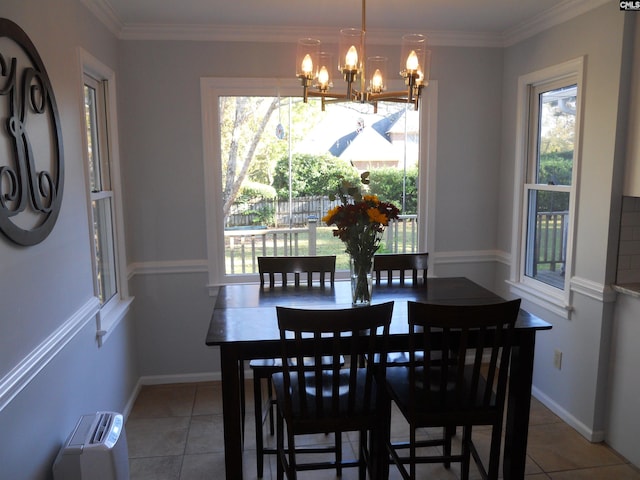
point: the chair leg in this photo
(257, 400)
(466, 452)
(412, 452)
(243, 407)
(494, 453)
(271, 404)
(292, 472)
(280, 457)
(338, 446)
(362, 457)
(448, 434)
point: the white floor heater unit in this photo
(95, 450)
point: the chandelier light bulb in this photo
(376, 81)
(323, 77)
(351, 59)
(412, 62)
(307, 65)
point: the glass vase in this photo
(361, 280)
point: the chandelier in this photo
(314, 68)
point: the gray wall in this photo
(45, 287)
(577, 392)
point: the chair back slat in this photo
(399, 264)
(344, 388)
(459, 356)
(297, 266)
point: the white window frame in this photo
(114, 310)
(212, 88)
(551, 298)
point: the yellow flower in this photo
(376, 216)
(330, 214)
(371, 198)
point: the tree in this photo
(249, 143)
(312, 174)
(245, 126)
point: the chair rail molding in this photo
(167, 267)
(20, 376)
(597, 291)
(470, 256)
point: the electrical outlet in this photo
(557, 359)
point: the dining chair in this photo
(465, 387)
(388, 266)
(282, 267)
(398, 264)
(341, 397)
(308, 270)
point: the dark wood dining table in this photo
(244, 327)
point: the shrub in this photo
(312, 174)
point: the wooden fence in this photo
(243, 246)
(275, 213)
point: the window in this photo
(105, 213)
(272, 160)
(549, 156)
(100, 190)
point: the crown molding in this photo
(243, 33)
(564, 11)
(104, 12)
(561, 13)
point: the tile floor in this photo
(174, 432)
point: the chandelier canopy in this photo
(314, 67)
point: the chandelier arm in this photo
(401, 95)
(328, 96)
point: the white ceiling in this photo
(495, 20)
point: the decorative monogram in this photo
(31, 156)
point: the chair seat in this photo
(431, 402)
(275, 364)
(264, 368)
(345, 412)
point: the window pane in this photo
(105, 249)
(93, 152)
(281, 158)
(547, 236)
(556, 136)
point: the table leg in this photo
(378, 456)
(229, 362)
(518, 406)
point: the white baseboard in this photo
(132, 400)
(180, 378)
(594, 436)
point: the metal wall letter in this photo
(31, 156)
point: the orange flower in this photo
(376, 216)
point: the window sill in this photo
(553, 303)
(110, 316)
